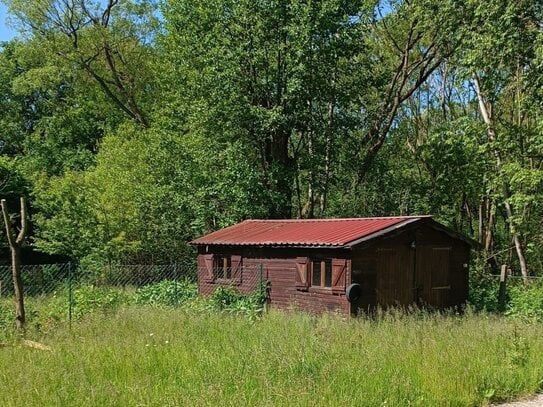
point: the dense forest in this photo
(133, 126)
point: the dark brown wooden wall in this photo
(279, 268)
(421, 265)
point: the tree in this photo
(16, 241)
(410, 42)
(274, 76)
(501, 88)
(109, 41)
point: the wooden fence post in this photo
(502, 292)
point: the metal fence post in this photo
(262, 289)
(176, 283)
(70, 298)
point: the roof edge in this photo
(275, 246)
(337, 219)
(385, 231)
(453, 233)
(427, 220)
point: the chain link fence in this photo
(61, 292)
(44, 279)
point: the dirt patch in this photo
(529, 402)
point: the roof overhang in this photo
(387, 232)
(383, 232)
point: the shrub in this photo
(89, 298)
(224, 297)
(227, 298)
(166, 293)
(483, 292)
(526, 301)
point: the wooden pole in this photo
(502, 292)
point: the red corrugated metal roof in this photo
(303, 232)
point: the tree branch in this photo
(7, 223)
(24, 224)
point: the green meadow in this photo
(149, 356)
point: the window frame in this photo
(220, 272)
(325, 264)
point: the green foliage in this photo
(12, 182)
(88, 299)
(66, 222)
(483, 292)
(261, 76)
(227, 298)
(526, 301)
(166, 293)
(7, 321)
(49, 312)
(134, 129)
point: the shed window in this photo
(321, 272)
(222, 267)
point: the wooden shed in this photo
(345, 265)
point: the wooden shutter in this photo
(235, 264)
(208, 261)
(339, 275)
(302, 273)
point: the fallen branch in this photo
(37, 345)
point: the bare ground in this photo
(536, 401)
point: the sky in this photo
(6, 33)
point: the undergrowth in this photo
(46, 313)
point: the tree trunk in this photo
(480, 228)
(485, 107)
(489, 237)
(327, 158)
(309, 210)
(20, 317)
(15, 244)
(281, 175)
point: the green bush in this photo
(166, 293)
(526, 301)
(88, 298)
(44, 313)
(224, 297)
(483, 292)
(227, 298)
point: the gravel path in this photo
(533, 402)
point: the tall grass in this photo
(142, 356)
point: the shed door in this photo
(433, 284)
(394, 277)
